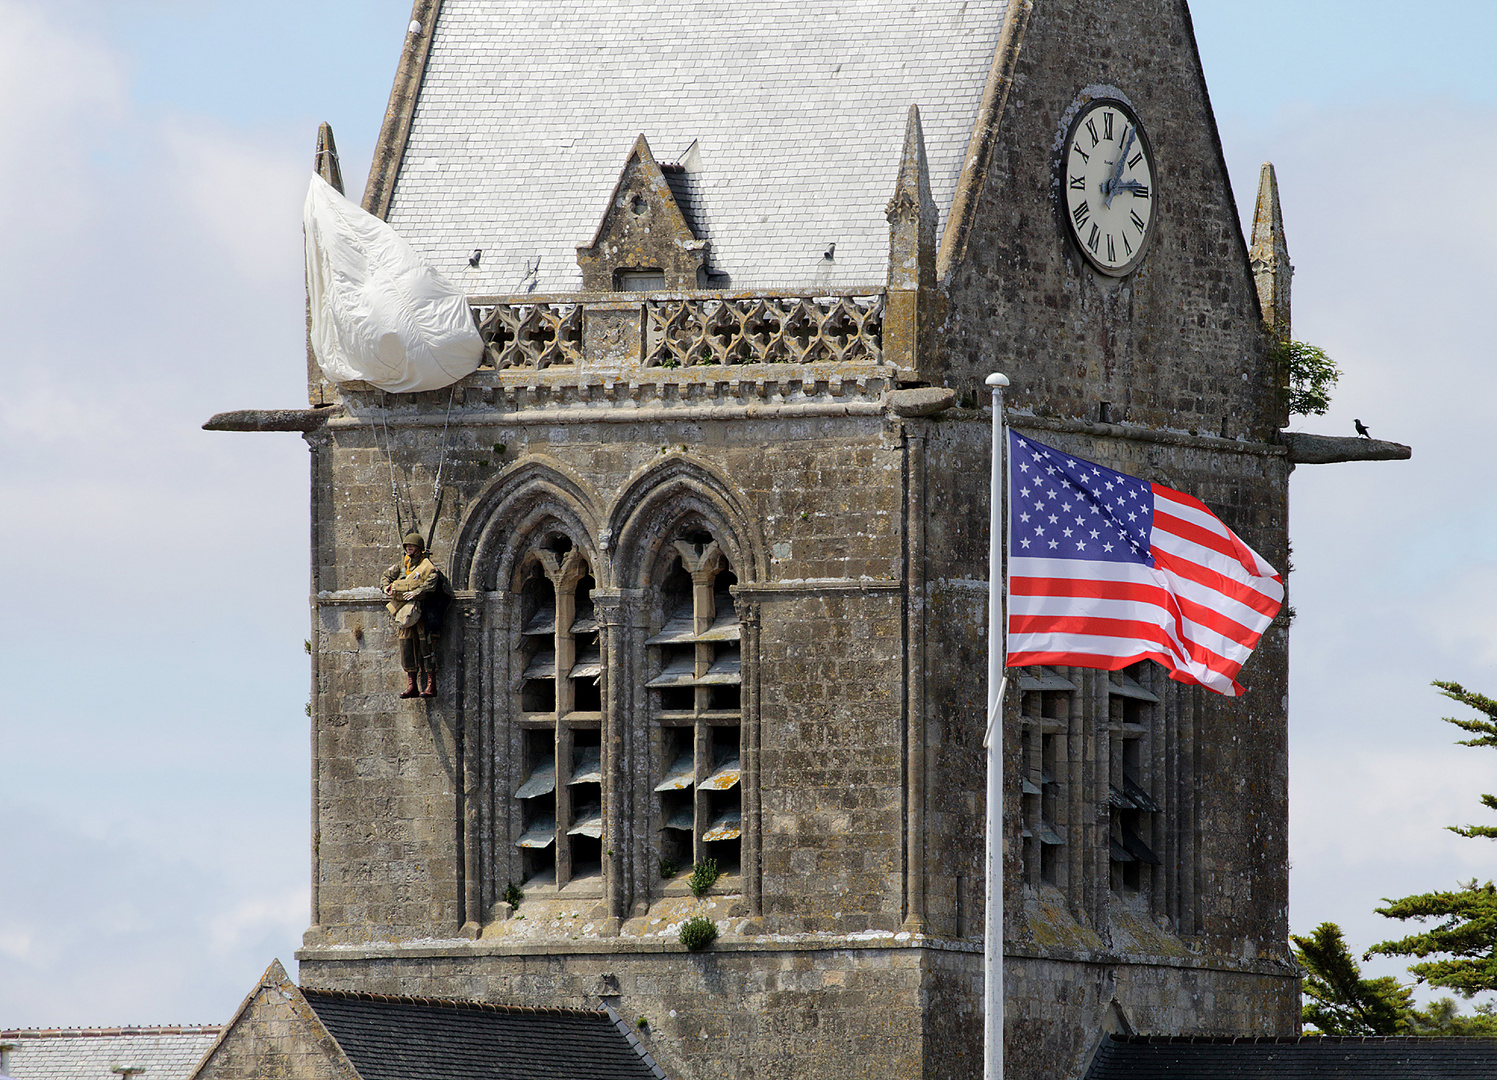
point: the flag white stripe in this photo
(1138, 574)
(1101, 645)
(1133, 611)
(1207, 520)
(1225, 565)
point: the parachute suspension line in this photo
(390, 461)
(436, 487)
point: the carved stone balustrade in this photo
(622, 332)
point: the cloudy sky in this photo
(153, 746)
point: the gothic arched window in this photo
(558, 708)
(695, 709)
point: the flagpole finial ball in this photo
(997, 380)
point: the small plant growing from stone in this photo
(703, 875)
(643, 1023)
(698, 932)
(513, 895)
(669, 868)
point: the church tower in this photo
(715, 513)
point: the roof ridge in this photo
(163, 1029)
(452, 1003)
(1298, 1040)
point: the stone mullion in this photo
(494, 717)
(469, 724)
(1168, 755)
(1098, 812)
(1190, 855)
(1068, 764)
(605, 611)
(625, 757)
(566, 603)
(748, 784)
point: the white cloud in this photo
(1395, 563)
(246, 197)
(250, 920)
(55, 86)
(150, 279)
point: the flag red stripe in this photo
(1087, 625)
(1251, 561)
(1244, 594)
(1180, 608)
(1086, 587)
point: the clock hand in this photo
(1113, 183)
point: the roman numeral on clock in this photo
(1081, 213)
(1094, 238)
(1091, 125)
(1112, 255)
(1135, 159)
(1083, 154)
(1107, 126)
(1078, 183)
(1140, 192)
(1138, 222)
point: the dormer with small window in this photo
(643, 243)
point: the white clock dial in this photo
(1107, 174)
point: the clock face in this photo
(1108, 179)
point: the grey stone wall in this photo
(858, 536)
(1178, 344)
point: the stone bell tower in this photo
(714, 508)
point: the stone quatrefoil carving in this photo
(764, 330)
(696, 331)
(530, 335)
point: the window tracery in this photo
(559, 711)
(696, 709)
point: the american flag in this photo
(1105, 570)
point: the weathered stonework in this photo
(721, 587)
(275, 1034)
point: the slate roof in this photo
(161, 1053)
(527, 112)
(1152, 1057)
(390, 1038)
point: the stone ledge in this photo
(815, 587)
(732, 943)
(1136, 434)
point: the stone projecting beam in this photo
(1306, 449)
(302, 420)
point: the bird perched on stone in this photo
(1362, 429)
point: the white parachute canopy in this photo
(380, 313)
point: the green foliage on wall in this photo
(1312, 376)
(698, 932)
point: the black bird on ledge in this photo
(1362, 429)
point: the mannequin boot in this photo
(410, 685)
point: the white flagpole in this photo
(992, 950)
